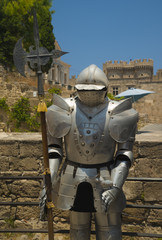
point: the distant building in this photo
(59, 71)
(123, 75)
(137, 74)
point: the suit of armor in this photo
(98, 136)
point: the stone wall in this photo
(21, 155)
(149, 107)
(137, 74)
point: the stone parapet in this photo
(21, 155)
(130, 64)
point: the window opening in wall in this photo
(53, 74)
(115, 91)
(65, 78)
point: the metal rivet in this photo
(94, 137)
(88, 131)
(83, 144)
(80, 136)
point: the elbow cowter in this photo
(124, 155)
(54, 152)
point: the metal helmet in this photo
(92, 86)
(92, 78)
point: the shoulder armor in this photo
(119, 106)
(123, 121)
(58, 117)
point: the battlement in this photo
(134, 63)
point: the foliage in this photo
(49, 103)
(16, 21)
(21, 114)
(112, 97)
(20, 111)
(55, 90)
(3, 104)
(52, 91)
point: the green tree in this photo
(16, 21)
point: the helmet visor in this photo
(89, 87)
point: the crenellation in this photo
(142, 62)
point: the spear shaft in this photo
(47, 177)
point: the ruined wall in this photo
(21, 154)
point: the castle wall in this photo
(137, 74)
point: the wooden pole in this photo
(47, 177)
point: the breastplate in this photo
(89, 141)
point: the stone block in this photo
(3, 189)
(2, 225)
(23, 224)
(146, 167)
(27, 212)
(23, 164)
(155, 217)
(133, 190)
(25, 188)
(31, 149)
(9, 148)
(151, 150)
(152, 191)
(4, 163)
(131, 215)
(135, 150)
(4, 212)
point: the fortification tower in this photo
(123, 75)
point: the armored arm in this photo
(123, 130)
(55, 153)
(58, 119)
(123, 161)
(119, 170)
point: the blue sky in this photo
(95, 31)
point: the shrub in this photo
(3, 104)
(55, 90)
(21, 116)
(112, 97)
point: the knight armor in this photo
(98, 136)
